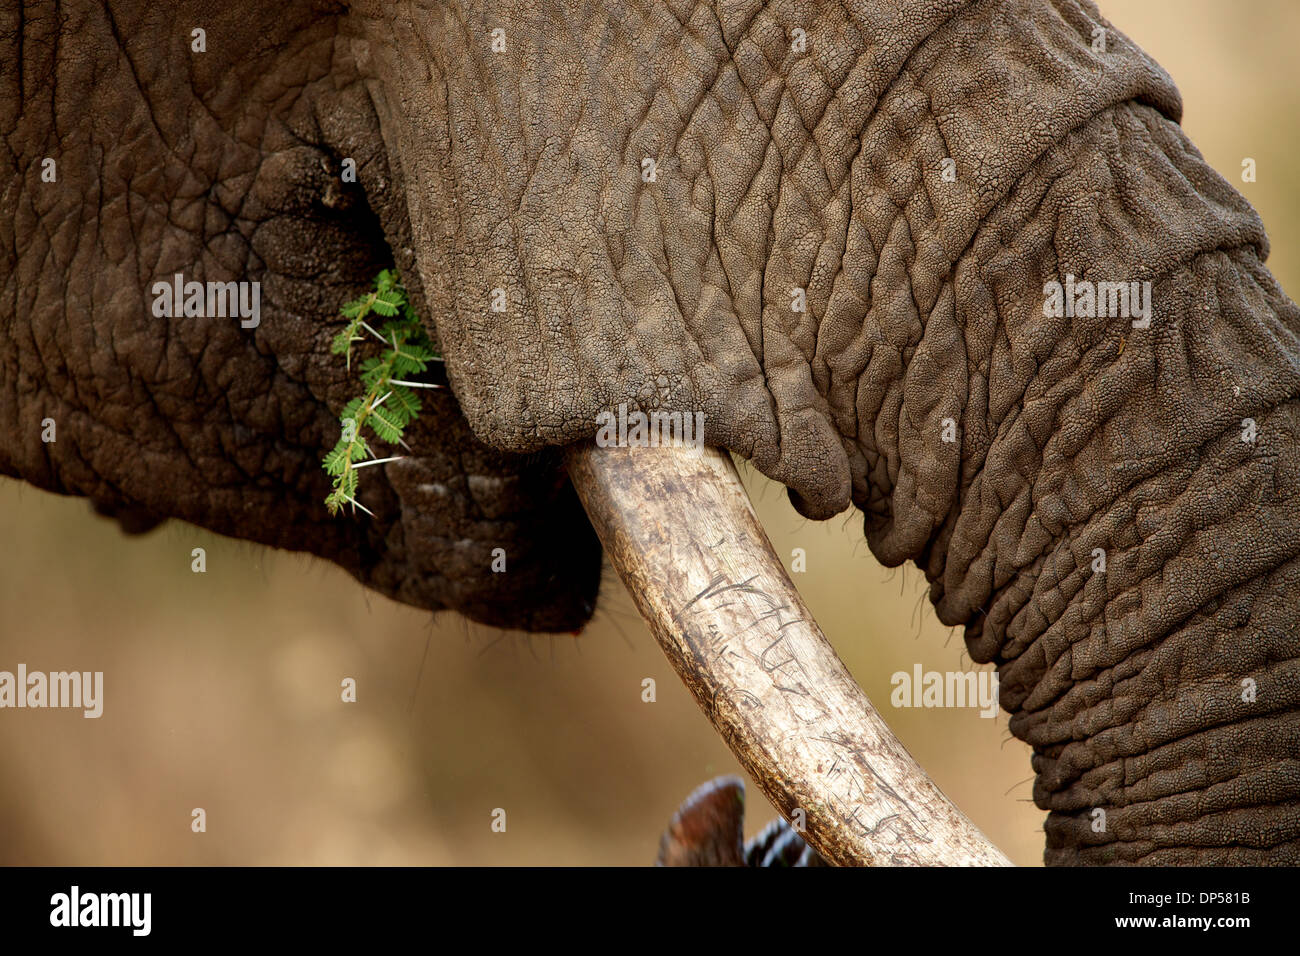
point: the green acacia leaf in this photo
(408, 352)
(342, 343)
(383, 426)
(404, 400)
(373, 372)
(336, 461)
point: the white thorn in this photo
(361, 506)
(378, 461)
(398, 381)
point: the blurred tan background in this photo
(222, 689)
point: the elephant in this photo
(952, 263)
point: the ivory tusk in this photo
(678, 527)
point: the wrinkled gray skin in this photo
(776, 169)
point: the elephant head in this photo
(951, 262)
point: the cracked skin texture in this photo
(820, 170)
(225, 166)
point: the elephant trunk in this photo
(680, 530)
(1150, 650)
(861, 258)
(1123, 537)
(1159, 681)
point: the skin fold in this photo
(999, 448)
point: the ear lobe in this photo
(133, 520)
(800, 505)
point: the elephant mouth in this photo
(678, 528)
(624, 264)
